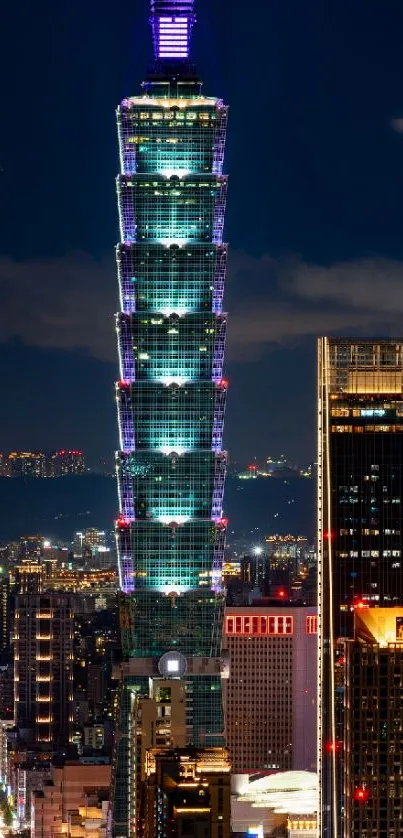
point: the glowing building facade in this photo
(171, 394)
(360, 497)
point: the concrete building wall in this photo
(270, 698)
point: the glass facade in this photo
(360, 498)
(171, 395)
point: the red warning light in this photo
(281, 593)
(360, 603)
(333, 747)
(361, 795)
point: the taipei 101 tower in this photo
(171, 393)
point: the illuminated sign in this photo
(311, 624)
(259, 626)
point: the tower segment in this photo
(171, 394)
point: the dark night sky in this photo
(315, 157)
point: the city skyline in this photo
(328, 161)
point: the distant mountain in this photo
(58, 507)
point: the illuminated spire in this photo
(172, 22)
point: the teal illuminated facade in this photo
(171, 393)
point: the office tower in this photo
(373, 728)
(5, 613)
(171, 396)
(61, 463)
(30, 548)
(255, 571)
(26, 464)
(187, 792)
(360, 495)
(155, 720)
(43, 667)
(270, 697)
(6, 691)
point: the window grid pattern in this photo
(171, 417)
(156, 138)
(259, 702)
(360, 500)
(187, 622)
(171, 210)
(171, 349)
(174, 487)
(171, 279)
(170, 557)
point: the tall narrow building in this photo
(360, 523)
(171, 394)
(43, 668)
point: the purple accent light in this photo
(125, 487)
(219, 346)
(218, 422)
(218, 489)
(126, 575)
(219, 144)
(218, 560)
(127, 362)
(126, 419)
(219, 279)
(219, 211)
(172, 22)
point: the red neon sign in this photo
(259, 625)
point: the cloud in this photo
(69, 302)
(64, 303)
(363, 297)
(397, 125)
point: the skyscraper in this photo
(270, 697)
(171, 394)
(360, 497)
(43, 667)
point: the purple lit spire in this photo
(172, 22)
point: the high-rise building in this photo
(26, 464)
(270, 697)
(171, 394)
(5, 613)
(61, 463)
(187, 792)
(43, 667)
(373, 728)
(360, 497)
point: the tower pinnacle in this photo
(172, 22)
